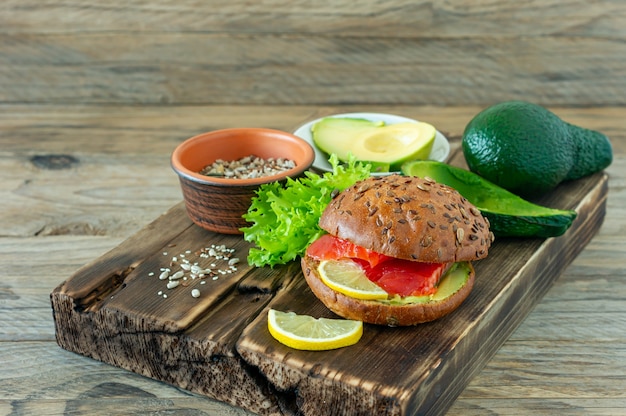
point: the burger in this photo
(413, 238)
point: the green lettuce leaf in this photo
(285, 217)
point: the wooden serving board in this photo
(217, 344)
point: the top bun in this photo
(409, 218)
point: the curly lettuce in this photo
(284, 216)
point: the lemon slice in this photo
(303, 332)
(345, 276)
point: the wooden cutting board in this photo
(117, 310)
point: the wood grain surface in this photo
(218, 344)
(330, 52)
(95, 96)
(567, 356)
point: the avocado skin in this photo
(551, 225)
(529, 150)
(509, 215)
(593, 152)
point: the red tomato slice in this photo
(395, 276)
(329, 247)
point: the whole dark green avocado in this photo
(529, 150)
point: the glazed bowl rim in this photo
(272, 134)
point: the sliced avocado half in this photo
(385, 146)
(509, 215)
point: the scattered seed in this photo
(190, 270)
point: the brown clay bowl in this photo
(218, 203)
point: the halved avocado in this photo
(508, 214)
(375, 142)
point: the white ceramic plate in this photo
(440, 152)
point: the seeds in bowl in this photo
(248, 167)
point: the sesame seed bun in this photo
(407, 218)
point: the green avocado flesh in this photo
(385, 146)
(509, 215)
(448, 285)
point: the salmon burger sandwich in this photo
(398, 251)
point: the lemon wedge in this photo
(345, 276)
(303, 332)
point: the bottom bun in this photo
(379, 313)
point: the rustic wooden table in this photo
(78, 180)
